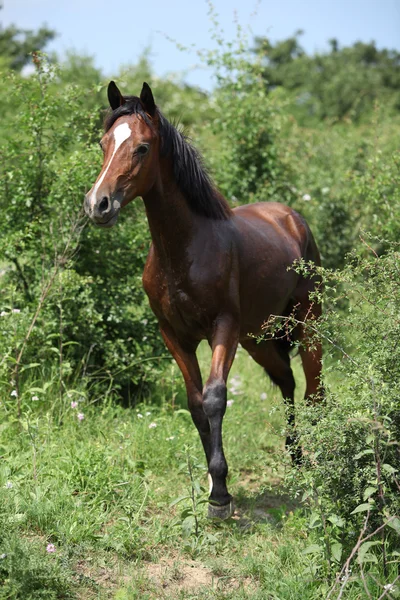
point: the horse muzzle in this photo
(103, 212)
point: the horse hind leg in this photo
(281, 374)
(310, 351)
(274, 357)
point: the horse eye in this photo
(142, 150)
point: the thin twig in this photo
(364, 582)
(360, 541)
(387, 590)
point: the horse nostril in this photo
(104, 205)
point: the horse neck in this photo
(172, 223)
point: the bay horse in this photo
(212, 272)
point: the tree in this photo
(343, 82)
(17, 44)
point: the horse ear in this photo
(115, 97)
(146, 98)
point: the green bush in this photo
(345, 180)
(27, 571)
(239, 139)
(87, 286)
(350, 479)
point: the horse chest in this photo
(180, 309)
(188, 299)
(176, 304)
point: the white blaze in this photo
(121, 133)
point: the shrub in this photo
(240, 136)
(92, 308)
(350, 477)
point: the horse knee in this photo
(214, 399)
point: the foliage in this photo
(344, 181)
(191, 518)
(27, 572)
(341, 83)
(181, 103)
(17, 45)
(243, 126)
(46, 167)
(350, 475)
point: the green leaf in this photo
(196, 487)
(188, 526)
(337, 551)
(315, 517)
(31, 366)
(335, 520)
(388, 469)
(313, 549)
(369, 491)
(362, 508)
(363, 550)
(363, 453)
(177, 500)
(394, 524)
(182, 411)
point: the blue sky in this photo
(116, 33)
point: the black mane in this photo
(189, 171)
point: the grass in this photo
(100, 490)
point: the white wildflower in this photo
(8, 485)
(263, 396)
(172, 437)
(35, 398)
(3, 313)
(230, 402)
(139, 416)
(152, 425)
(14, 393)
(306, 197)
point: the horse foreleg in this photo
(224, 343)
(187, 362)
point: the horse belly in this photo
(266, 287)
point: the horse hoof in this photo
(220, 512)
